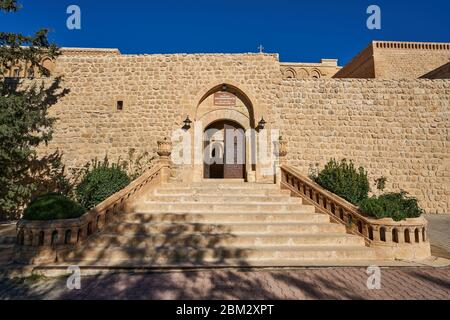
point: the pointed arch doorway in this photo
(226, 103)
(224, 150)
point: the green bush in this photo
(397, 206)
(99, 182)
(53, 207)
(344, 180)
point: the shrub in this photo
(380, 183)
(343, 179)
(136, 164)
(53, 207)
(397, 206)
(100, 181)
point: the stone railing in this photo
(411, 45)
(40, 241)
(405, 239)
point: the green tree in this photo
(24, 119)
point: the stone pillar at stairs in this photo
(280, 150)
(164, 152)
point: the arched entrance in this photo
(228, 103)
(224, 151)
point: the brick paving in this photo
(325, 283)
(320, 283)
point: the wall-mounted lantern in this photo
(261, 124)
(187, 123)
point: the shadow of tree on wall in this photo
(25, 126)
(49, 174)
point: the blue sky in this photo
(297, 30)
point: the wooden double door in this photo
(217, 165)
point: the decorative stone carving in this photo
(164, 148)
(280, 148)
(406, 239)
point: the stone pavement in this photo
(324, 283)
(439, 235)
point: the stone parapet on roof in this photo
(90, 51)
(411, 45)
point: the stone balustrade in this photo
(39, 241)
(405, 239)
(411, 45)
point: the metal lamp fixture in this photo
(261, 124)
(187, 123)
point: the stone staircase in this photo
(7, 241)
(220, 223)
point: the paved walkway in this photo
(324, 283)
(329, 283)
(439, 235)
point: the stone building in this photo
(378, 110)
(387, 110)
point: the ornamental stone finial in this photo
(164, 148)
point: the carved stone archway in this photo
(245, 113)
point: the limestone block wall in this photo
(396, 129)
(396, 60)
(327, 68)
(158, 92)
(408, 60)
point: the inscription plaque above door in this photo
(224, 99)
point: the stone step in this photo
(220, 186)
(223, 181)
(224, 192)
(6, 253)
(188, 207)
(96, 266)
(217, 240)
(186, 228)
(225, 217)
(220, 198)
(170, 255)
(7, 240)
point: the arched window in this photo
(407, 236)
(370, 229)
(41, 238)
(21, 238)
(67, 236)
(89, 229)
(383, 234)
(54, 238)
(417, 235)
(315, 74)
(289, 74)
(395, 235)
(360, 226)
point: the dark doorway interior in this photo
(216, 149)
